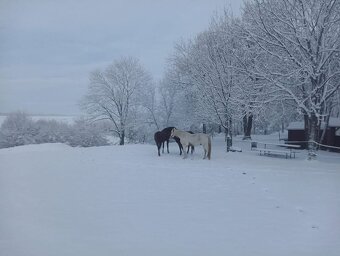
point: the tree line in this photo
(279, 61)
(20, 129)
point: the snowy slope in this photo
(58, 200)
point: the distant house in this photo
(296, 133)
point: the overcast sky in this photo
(48, 48)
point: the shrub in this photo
(86, 134)
(19, 129)
(16, 130)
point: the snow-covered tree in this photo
(216, 64)
(84, 133)
(300, 52)
(114, 94)
(17, 129)
(149, 107)
(168, 90)
(175, 103)
(52, 131)
(208, 73)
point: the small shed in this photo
(296, 133)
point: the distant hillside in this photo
(60, 118)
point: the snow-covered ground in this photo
(125, 200)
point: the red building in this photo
(296, 133)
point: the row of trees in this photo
(20, 129)
(299, 54)
(279, 61)
(281, 56)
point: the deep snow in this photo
(125, 200)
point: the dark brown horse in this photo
(164, 136)
(159, 141)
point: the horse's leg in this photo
(180, 146)
(185, 150)
(206, 150)
(158, 148)
(192, 149)
(167, 145)
(163, 147)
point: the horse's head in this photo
(173, 132)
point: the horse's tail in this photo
(209, 147)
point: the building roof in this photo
(334, 122)
(296, 126)
(299, 125)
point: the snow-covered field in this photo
(125, 200)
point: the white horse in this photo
(194, 140)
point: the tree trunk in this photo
(247, 126)
(122, 138)
(204, 128)
(313, 136)
(228, 135)
(307, 130)
(324, 131)
(328, 111)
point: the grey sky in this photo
(48, 48)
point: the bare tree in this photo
(113, 94)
